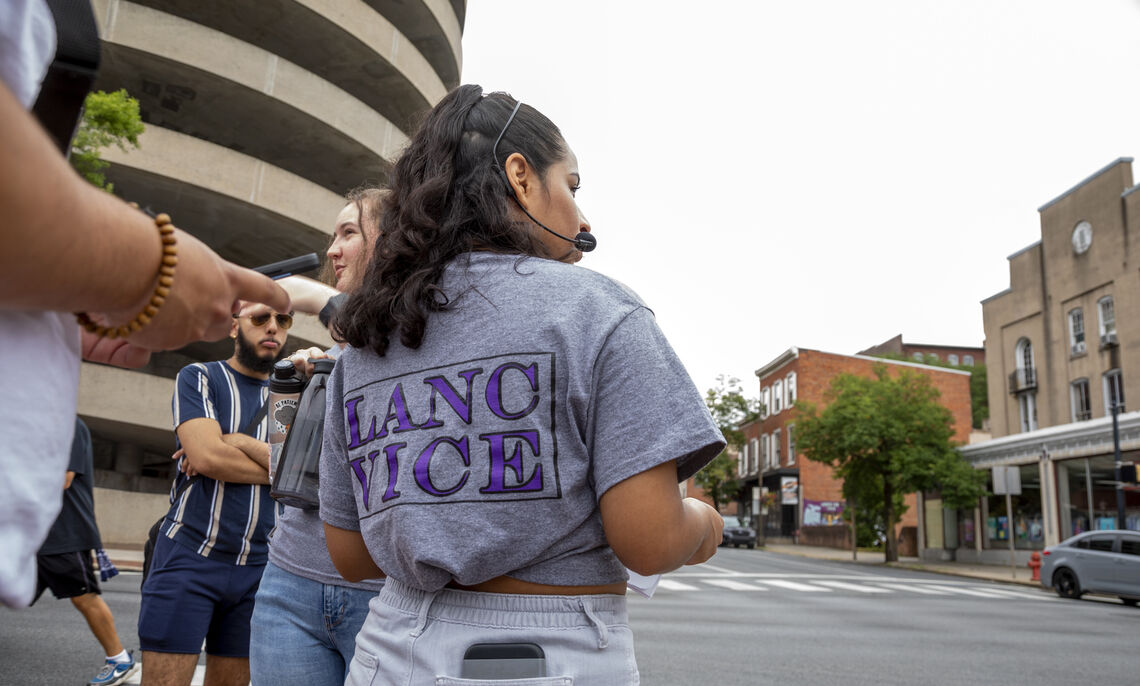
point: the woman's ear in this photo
(520, 178)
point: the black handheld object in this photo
(291, 266)
(495, 661)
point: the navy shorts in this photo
(68, 575)
(188, 598)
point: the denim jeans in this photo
(303, 631)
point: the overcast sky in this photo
(817, 173)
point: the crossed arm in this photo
(236, 457)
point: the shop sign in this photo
(789, 490)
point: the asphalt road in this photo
(752, 617)
(876, 625)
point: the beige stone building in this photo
(1060, 340)
(1062, 347)
(260, 114)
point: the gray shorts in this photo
(414, 638)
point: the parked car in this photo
(1105, 562)
(737, 532)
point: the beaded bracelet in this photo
(161, 289)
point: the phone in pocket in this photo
(503, 661)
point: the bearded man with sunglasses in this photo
(213, 543)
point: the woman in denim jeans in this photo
(306, 616)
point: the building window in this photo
(952, 359)
(1076, 331)
(791, 444)
(765, 402)
(1079, 396)
(777, 397)
(1113, 391)
(790, 389)
(917, 357)
(764, 450)
(1027, 409)
(1107, 313)
(753, 451)
(968, 360)
(776, 448)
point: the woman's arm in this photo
(349, 554)
(652, 529)
(308, 295)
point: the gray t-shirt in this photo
(297, 544)
(485, 451)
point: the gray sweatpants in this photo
(414, 638)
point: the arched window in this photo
(1024, 358)
(1107, 313)
(1076, 331)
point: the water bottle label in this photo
(284, 412)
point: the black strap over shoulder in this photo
(72, 72)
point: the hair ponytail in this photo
(446, 197)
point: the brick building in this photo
(952, 354)
(787, 493)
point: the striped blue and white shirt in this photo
(223, 521)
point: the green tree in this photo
(729, 410)
(108, 118)
(979, 394)
(887, 436)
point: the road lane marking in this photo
(734, 585)
(912, 587)
(670, 585)
(1013, 593)
(793, 585)
(852, 587)
(967, 591)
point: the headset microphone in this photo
(583, 241)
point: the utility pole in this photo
(1114, 361)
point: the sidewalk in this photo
(1000, 573)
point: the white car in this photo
(1105, 562)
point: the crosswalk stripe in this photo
(793, 585)
(670, 585)
(1013, 593)
(966, 591)
(853, 587)
(734, 585)
(912, 587)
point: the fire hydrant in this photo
(1035, 566)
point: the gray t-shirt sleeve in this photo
(337, 496)
(645, 409)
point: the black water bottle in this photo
(298, 471)
(284, 395)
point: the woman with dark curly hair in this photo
(506, 434)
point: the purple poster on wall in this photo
(823, 512)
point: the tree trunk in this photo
(891, 545)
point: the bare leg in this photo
(226, 671)
(168, 669)
(102, 623)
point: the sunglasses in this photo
(284, 321)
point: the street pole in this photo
(1114, 360)
(1009, 532)
(854, 535)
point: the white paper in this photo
(642, 585)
